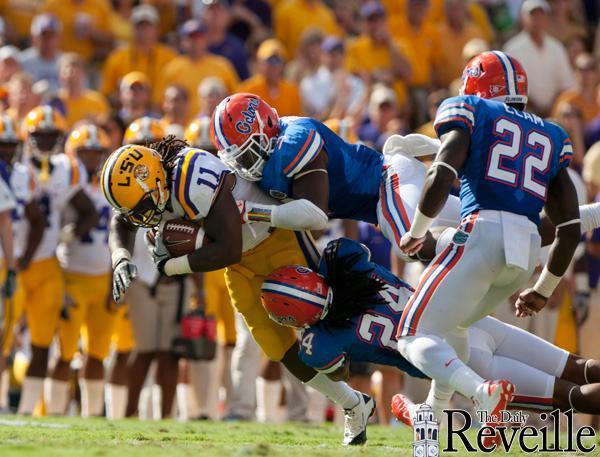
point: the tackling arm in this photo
(6, 239)
(308, 210)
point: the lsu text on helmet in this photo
(134, 182)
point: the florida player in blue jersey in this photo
(351, 307)
(511, 165)
(316, 173)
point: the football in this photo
(182, 237)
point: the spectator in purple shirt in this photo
(216, 16)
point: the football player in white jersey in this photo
(86, 265)
(25, 242)
(143, 183)
(58, 181)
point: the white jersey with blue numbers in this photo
(355, 171)
(197, 178)
(54, 193)
(89, 254)
(513, 155)
(22, 187)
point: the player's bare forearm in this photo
(87, 216)
(562, 207)
(312, 183)
(37, 224)
(440, 177)
(121, 234)
(6, 238)
(223, 226)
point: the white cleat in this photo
(355, 420)
(403, 409)
(494, 397)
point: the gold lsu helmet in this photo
(86, 136)
(144, 130)
(134, 182)
(43, 130)
(197, 134)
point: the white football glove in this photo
(157, 249)
(123, 274)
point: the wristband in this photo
(256, 212)
(447, 166)
(177, 266)
(118, 255)
(420, 224)
(546, 283)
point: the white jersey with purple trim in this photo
(88, 254)
(54, 193)
(22, 187)
(7, 200)
(197, 178)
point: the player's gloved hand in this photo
(67, 234)
(10, 284)
(123, 274)
(529, 303)
(409, 245)
(156, 247)
(581, 307)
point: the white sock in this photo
(438, 360)
(56, 396)
(439, 398)
(338, 392)
(116, 401)
(590, 216)
(30, 394)
(156, 396)
(268, 399)
(4, 387)
(92, 399)
(183, 393)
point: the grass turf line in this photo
(68, 437)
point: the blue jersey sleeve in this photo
(565, 146)
(321, 350)
(299, 146)
(456, 113)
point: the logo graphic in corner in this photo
(426, 442)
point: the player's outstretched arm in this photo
(121, 240)
(37, 224)
(438, 183)
(308, 210)
(563, 211)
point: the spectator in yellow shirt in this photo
(583, 96)
(281, 94)
(144, 54)
(210, 93)
(77, 102)
(453, 34)
(294, 16)
(134, 95)
(17, 15)
(375, 56)
(190, 69)
(85, 24)
(175, 108)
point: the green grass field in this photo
(131, 438)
